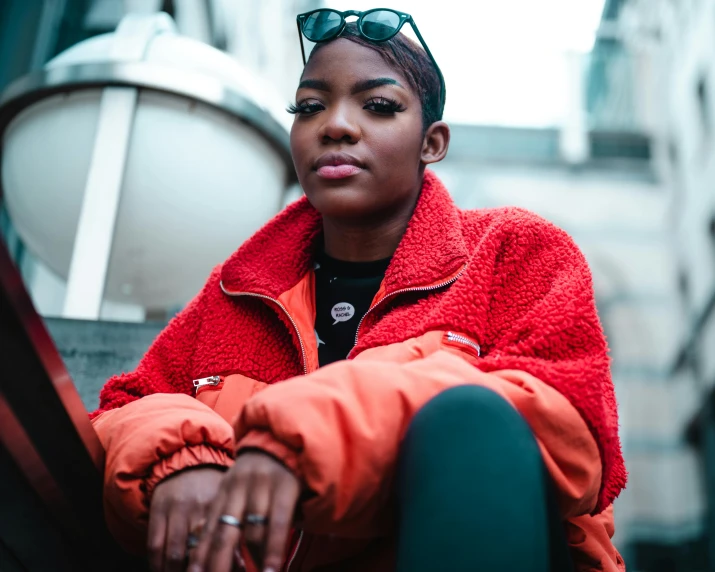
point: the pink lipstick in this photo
(338, 171)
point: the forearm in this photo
(340, 429)
(148, 441)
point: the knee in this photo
(473, 414)
(468, 406)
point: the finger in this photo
(225, 536)
(156, 537)
(258, 504)
(231, 497)
(285, 498)
(197, 521)
(197, 558)
(177, 530)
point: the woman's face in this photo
(357, 139)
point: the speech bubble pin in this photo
(342, 312)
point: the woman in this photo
(465, 417)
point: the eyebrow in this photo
(364, 85)
(318, 84)
(373, 83)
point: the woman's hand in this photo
(260, 493)
(179, 506)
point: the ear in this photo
(435, 143)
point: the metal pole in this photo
(95, 230)
(98, 215)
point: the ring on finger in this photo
(256, 519)
(230, 520)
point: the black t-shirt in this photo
(343, 294)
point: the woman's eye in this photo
(304, 108)
(384, 106)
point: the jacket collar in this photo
(275, 258)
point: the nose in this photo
(340, 124)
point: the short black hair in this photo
(412, 62)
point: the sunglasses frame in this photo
(404, 18)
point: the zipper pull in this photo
(212, 380)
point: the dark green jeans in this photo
(473, 491)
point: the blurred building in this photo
(685, 32)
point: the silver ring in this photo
(256, 519)
(230, 520)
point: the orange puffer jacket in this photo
(498, 298)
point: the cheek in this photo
(299, 137)
(400, 144)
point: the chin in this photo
(343, 201)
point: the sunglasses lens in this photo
(322, 25)
(380, 25)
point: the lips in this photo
(337, 166)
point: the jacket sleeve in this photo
(339, 429)
(150, 429)
(147, 441)
(166, 366)
(541, 318)
(589, 538)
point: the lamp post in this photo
(135, 161)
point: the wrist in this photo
(264, 442)
(189, 457)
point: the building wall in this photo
(692, 131)
(691, 122)
(682, 33)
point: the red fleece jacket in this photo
(524, 293)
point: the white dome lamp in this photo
(136, 161)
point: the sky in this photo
(505, 62)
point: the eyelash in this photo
(385, 105)
(380, 105)
(303, 108)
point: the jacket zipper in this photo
(452, 337)
(295, 552)
(204, 381)
(304, 363)
(304, 359)
(402, 291)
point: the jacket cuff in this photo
(264, 441)
(185, 458)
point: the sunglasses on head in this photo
(376, 25)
